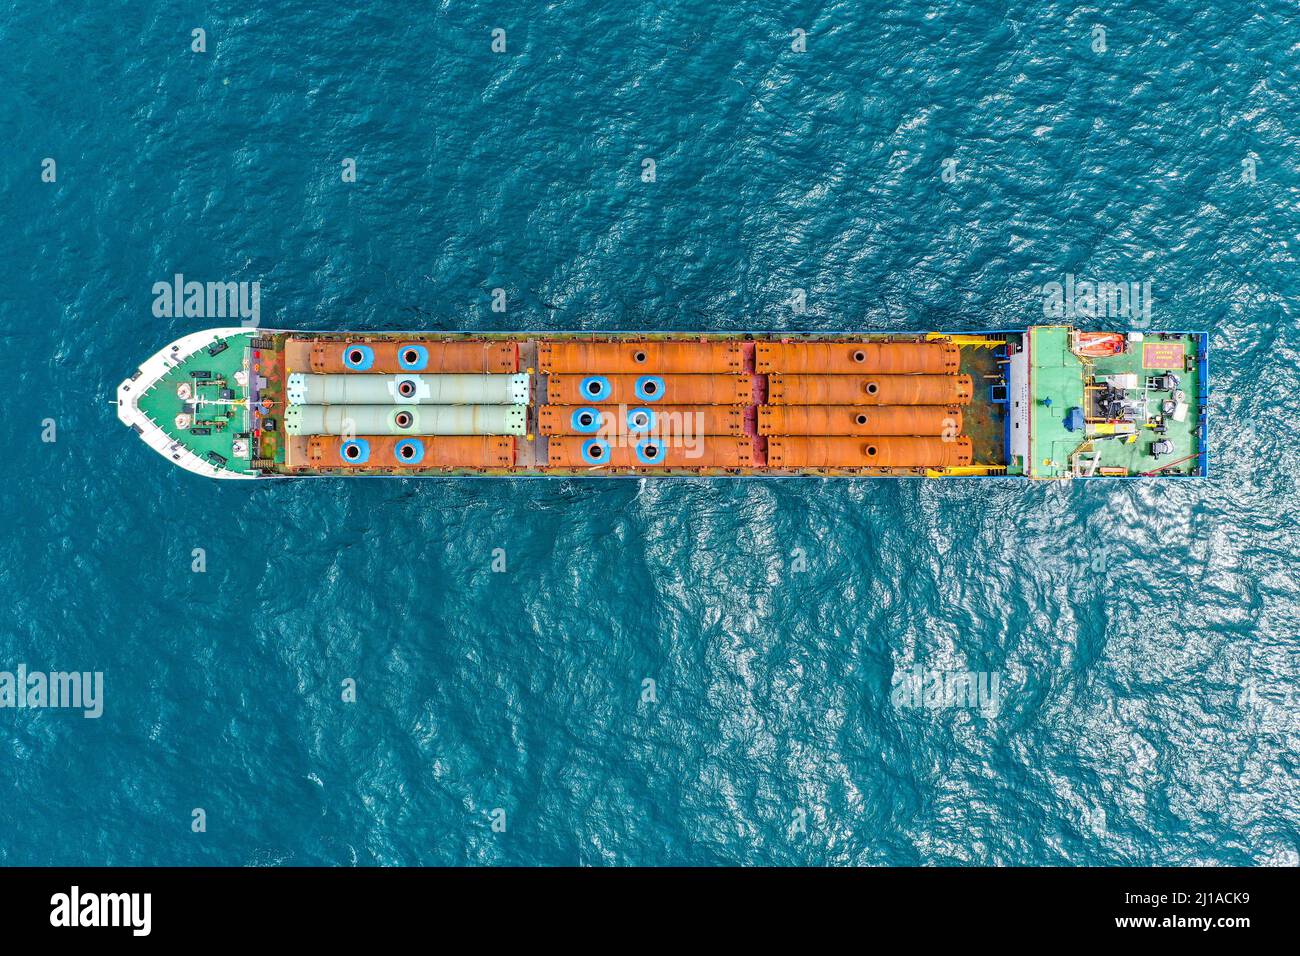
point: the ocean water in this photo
(1143, 633)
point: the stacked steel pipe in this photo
(847, 405)
(422, 403)
(417, 403)
(645, 404)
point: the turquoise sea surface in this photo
(1143, 634)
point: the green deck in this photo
(1056, 386)
(162, 404)
(1058, 379)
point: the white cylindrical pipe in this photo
(353, 420)
(360, 389)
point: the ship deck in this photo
(216, 424)
(1062, 380)
(983, 420)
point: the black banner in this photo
(331, 906)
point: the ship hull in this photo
(1037, 403)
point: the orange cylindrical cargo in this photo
(885, 452)
(568, 451)
(413, 355)
(869, 389)
(598, 389)
(642, 357)
(635, 419)
(383, 451)
(859, 420)
(881, 358)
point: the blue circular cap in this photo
(355, 451)
(358, 357)
(585, 421)
(409, 451)
(595, 388)
(649, 388)
(412, 358)
(640, 419)
(650, 451)
(595, 451)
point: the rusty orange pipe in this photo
(478, 451)
(640, 357)
(666, 419)
(677, 389)
(841, 358)
(885, 452)
(859, 420)
(567, 452)
(452, 357)
(869, 389)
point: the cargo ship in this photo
(1045, 402)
